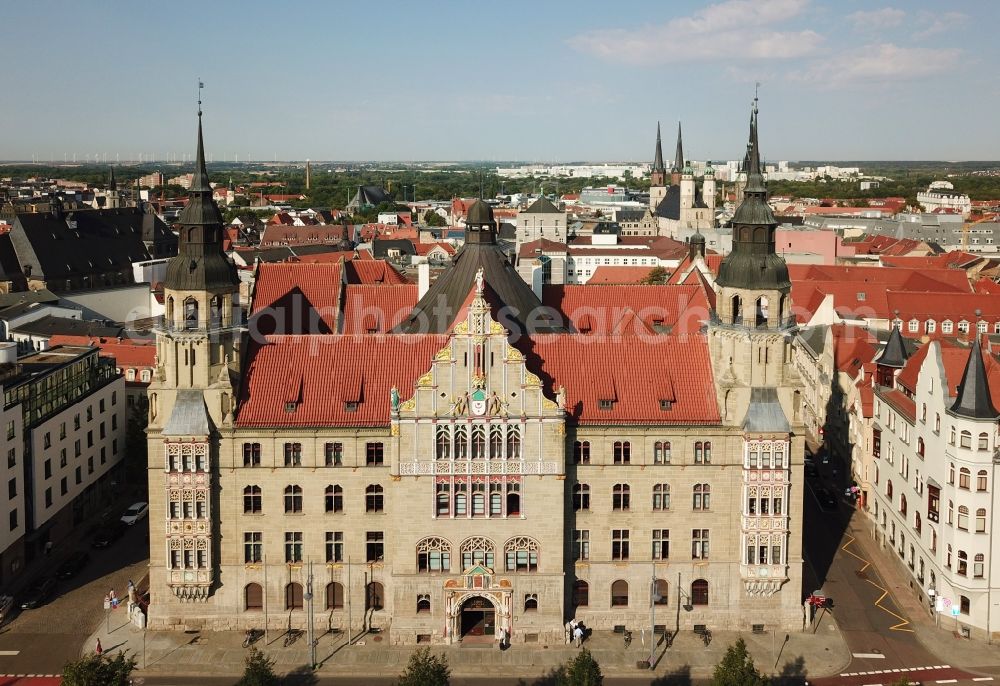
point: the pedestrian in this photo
(578, 636)
(99, 650)
(500, 634)
(114, 598)
(48, 547)
(569, 631)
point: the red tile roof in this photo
(134, 353)
(853, 347)
(599, 309)
(288, 295)
(323, 373)
(377, 307)
(527, 250)
(899, 400)
(618, 275)
(372, 271)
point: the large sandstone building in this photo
(446, 464)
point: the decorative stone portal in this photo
(478, 605)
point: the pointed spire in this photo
(199, 182)
(973, 397)
(679, 153)
(894, 354)
(755, 176)
(658, 165)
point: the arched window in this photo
(737, 306)
(963, 563)
(478, 442)
(916, 521)
(965, 439)
(433, 555)
(334, 596)
(374, 596)
(888, 489)
(190, 313)
(902, 503)
(964, 606)
(253, 597)
(951, 512)
(699, 592)
(374, 498)
(443, 444)
(661, 452)
(293, 596)
(521, 554)
(708, 452)
(661, 595)
(252, 500)
(293, 498)
(661, 496)
(530, 602)
(622, 452)
(423, 603)
(513, 500)
(461, 443)
(478, 500)
(581, 497)
(496, 500)
(977, 567)
(513, 443)
(981, 520)
(931, 326)
(169, 317)
(983, 442)
(496, 443)
(963, 517)
(620, 497)
(701, 497)
(461, 500)
(478, 551)
(619, 593)
(581, 452)
(951, 473)
(762, 311)
(698, 452)
(964, 477)
(333, 498)
(581, 593)
(920, 446)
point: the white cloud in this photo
(937, 22)
(877, 64)
(873, 20)
(724, 31)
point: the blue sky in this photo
(548, 81)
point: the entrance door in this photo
(478, 617)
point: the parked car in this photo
(135, 513)
(109, 533)
(37, 593)
(72, 565)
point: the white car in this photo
(135, 513)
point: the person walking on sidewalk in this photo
(578, 636)
(99, 650)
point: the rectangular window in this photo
(90, 465)
(293, 546)
(103, 433)
(581, 544)
(374, 545)
(253, 546)
(13, 519)
(12, 488)
(251, 454)
(114, 423)
(47, 440)
(661, 544)
(114, 446)
(48, 469)
(619, 544)
(293, 454)
(11, 458)
(48, 497)
(334, 546)
(77, 449)
(699, 544)
(334, 454)
(373, 454)
(79, 476)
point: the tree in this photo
(432, 218)
(99, 670)
(737, 668)
(582, 670)
(259, 670)
(425, 669)
(657, 276)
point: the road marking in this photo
(946, 681)
(871, 656)
(873, 685)
(903, 621)
(9, 652)
(983, 678)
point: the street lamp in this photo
(654, 597)
(309, 619)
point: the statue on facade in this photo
(561, 398)
(394, 398)
(460, 405)
(496, 406)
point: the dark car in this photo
(72, 565)
(826, 499)
(37, 593)
(109, 533)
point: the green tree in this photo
(737, 668)
(657, 276)
(99, 670)
(582, 670)
(425, 669)
(432, 218)
(259, 670)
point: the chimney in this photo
(423, 279)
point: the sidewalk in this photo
(947, 645)
(805, 655)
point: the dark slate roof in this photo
(670, 206)
(658, 154)
(189, 416)
(444, 300)
(380, 248)
(765, 414)
(370, 195)
(479, 213)
(103, 241)
(814, 337)
(630, 215)
(10, 270)
(973, 398)
(42, 295)
(284, 252)
(894, 354)
(50, 325)
(679, 153)
(542, 206)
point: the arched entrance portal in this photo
(477, 618)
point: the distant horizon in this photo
(844, 80)
(470, 162)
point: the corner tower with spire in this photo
(750, 335)
(657, 175)
(191, 397)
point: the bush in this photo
(737, 668)
(582, 670)
(425, 669)
(259, 670)
(99, 670)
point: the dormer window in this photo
(350, 407)
(606, 404)
(861, 296)
(666, 405)
(290, 407)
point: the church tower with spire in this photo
(192, 397)
(658, 175)
(750, 336)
